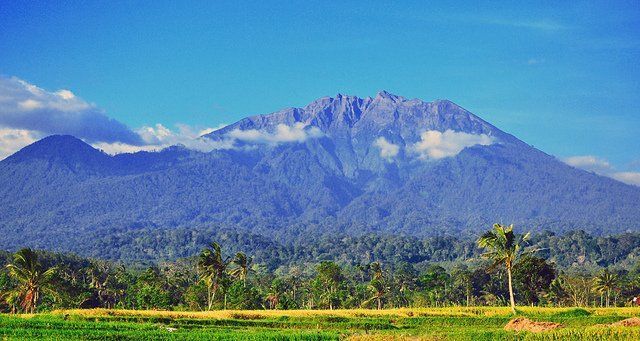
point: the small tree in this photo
(504, 247)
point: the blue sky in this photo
(562, 77)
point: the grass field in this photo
(394, 324)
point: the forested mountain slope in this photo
(339, 166)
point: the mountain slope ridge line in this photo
(343, 165)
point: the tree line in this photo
(510, 269)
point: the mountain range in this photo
(341, 165)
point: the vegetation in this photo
(457, 323)
(31, 278)
(60, 194)
(217, 280)
(504, 248)
(220, 295)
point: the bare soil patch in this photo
(630, 322)
(524, 324)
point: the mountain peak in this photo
(364, 118)
(65, 148)
(383, 94)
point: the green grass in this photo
(396, 324)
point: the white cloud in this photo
(12, 140)
(119, 148)
(210, 130)
(282, 134)
(388, 150)
(28, 112)
(25, 106)
(30, 104)
(631, 178)
(437, 145)
(159, 137)
(602, 167)
(590, 163)
(155, 135)
(65, 94)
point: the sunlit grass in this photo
(449, 323)
(399, 312)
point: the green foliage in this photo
(32, 280)
(504, 247)
(242, 296)
(215, 281)
(532, 278)
(474, 323)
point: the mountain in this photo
(339, 166)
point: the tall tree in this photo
(331, 277)
(504, 247)
(212, 268)
(532, 277)
(377, 285)
(462, 280)
(32, 279)
(376, 270)
(243, 267)
(379, 289)
(435, 281)
(604, 283)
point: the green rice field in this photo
(359, 324)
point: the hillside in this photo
(345, 165)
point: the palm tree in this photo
(376, 269)
(379, 292)
(32, 279)
(243, 267)
(102, 280)
(604, 283)
(212, 268)
(557, 291)
(504, 247)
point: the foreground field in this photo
(395, 324)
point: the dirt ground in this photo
(524, 324)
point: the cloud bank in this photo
(437, 145)
(631, 178)
(29, 113)
(602, 167)
(159, 137)
(282, 134)
(388, 150)
(12, 140)
(590, 163)
(25, 106)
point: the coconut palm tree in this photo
(212, 268)
(376, 270)
(380, 290)
(243, 267)
(604, 283)
(504, 247)
(32, 279)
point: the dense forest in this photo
(62, 194)
(574, 269)
(571, 249)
